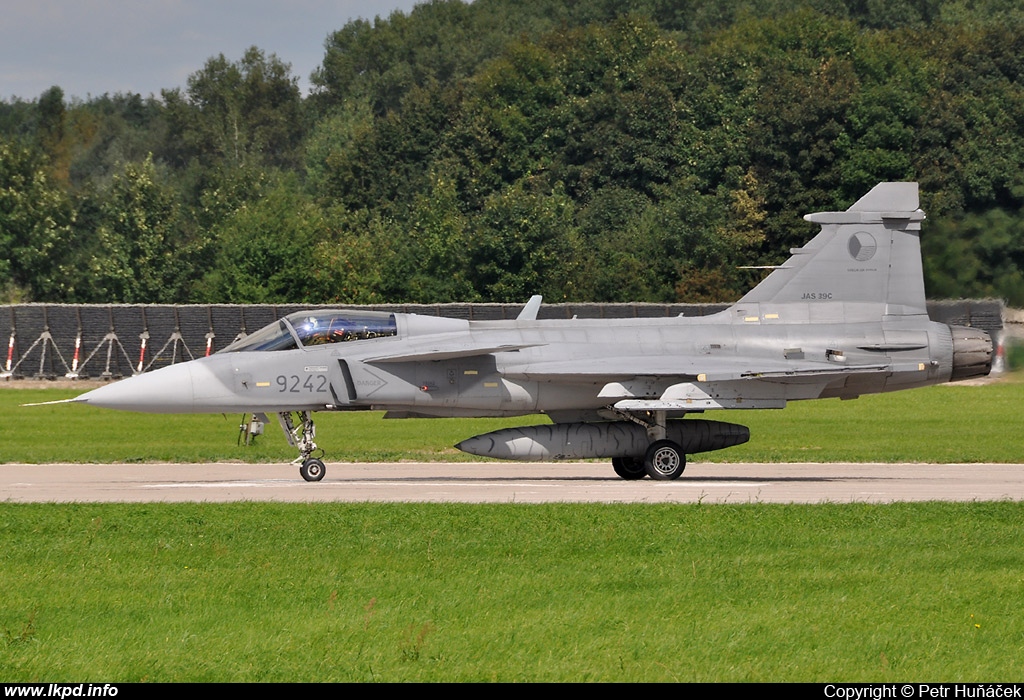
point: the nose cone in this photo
(167, 390)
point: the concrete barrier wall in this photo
(41, 338)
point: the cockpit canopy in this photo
(308, 328)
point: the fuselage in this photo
(451, 367)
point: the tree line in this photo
(645, 150)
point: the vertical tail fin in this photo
(868, 254)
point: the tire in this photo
(629, 468)
(664, 460)
(312, 470)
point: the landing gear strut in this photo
(301, 437)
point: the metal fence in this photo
(46, 341)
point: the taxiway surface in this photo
(510, 483)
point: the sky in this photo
(92, 47)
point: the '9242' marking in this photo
(294, 384)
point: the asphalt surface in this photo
(507, 482)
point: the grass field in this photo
(434, 592)
(950, 423)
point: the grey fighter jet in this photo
(844, 316)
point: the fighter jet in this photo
(843, 316)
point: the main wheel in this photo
(664, 460)
(629, 468)
(312, 470)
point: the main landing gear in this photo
(301, 437)
(664, 459)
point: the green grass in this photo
(433, 592)
(950, 423)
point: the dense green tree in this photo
(976, 255)
(35, 225)
(241, 113)
(111, 130)
(17, 119)
(382, 163)
(640, 149)
(51, 118)
(141, 252)
(523, 245)
(332, 141)
(262, 250)
(357, 263)
(435, 248)
(437, 44)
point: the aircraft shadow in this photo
(702, 480)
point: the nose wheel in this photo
(312, 470)
(301, 437)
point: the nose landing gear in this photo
(301, 437)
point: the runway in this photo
(506, 482)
